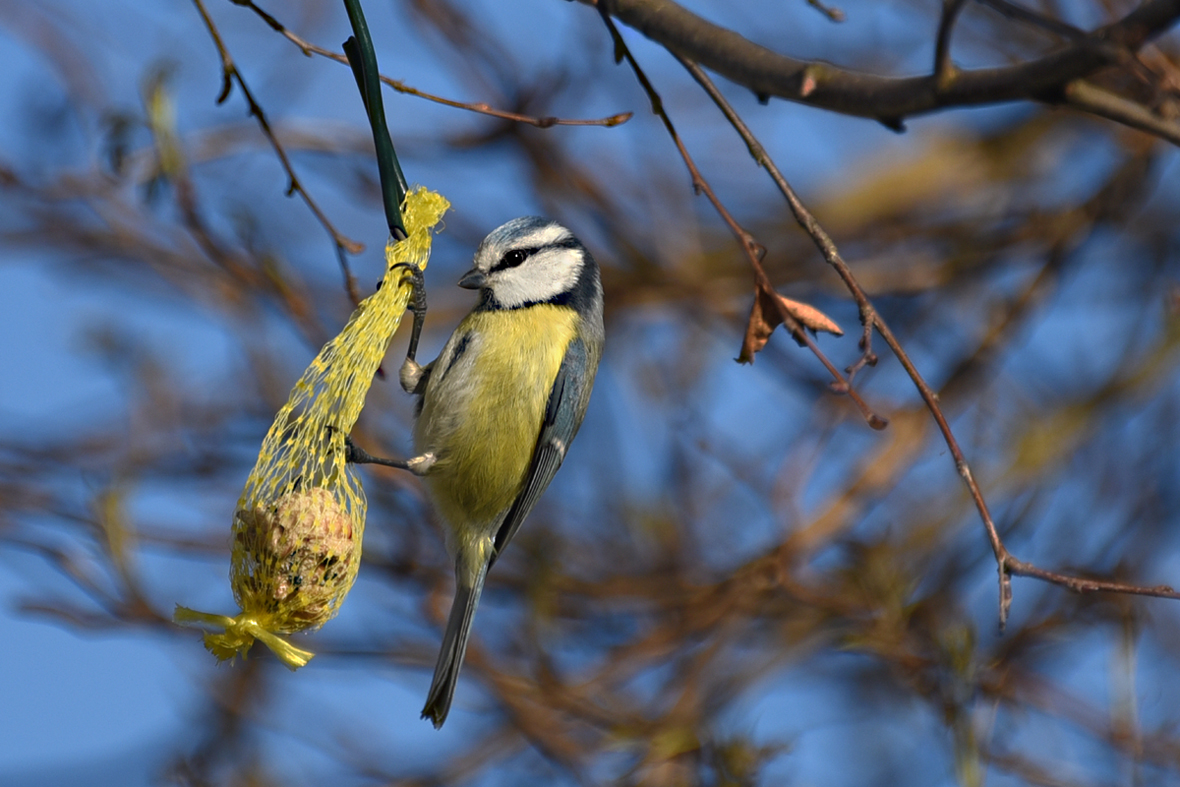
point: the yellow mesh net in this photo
(299, 522)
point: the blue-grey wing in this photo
(563, 416)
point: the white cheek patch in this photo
(541, 277)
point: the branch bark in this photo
(888, 99)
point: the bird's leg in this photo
(411, 373)
(418, 465)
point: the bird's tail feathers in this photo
(454, 646)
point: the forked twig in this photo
(944, 68)
(887, 99)
(753, 250)
(310, 49)
(1089, 98)
(1007, 564)
(229, 75)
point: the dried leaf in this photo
(765, 317)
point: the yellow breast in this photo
(482, 419)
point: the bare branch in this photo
(231, 74)
(1085, 585)
(1021, 14)
(753, 250)
(831, 12)
(1082, 95)
(310, 49)
(887, 99)
(822, 240)
(1006, 564)
(944, 69)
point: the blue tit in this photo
(498, 408)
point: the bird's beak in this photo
(474, 279)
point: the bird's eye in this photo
(514, 258)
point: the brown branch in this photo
(1032, 18)
(229, 75)
(1030, 771)
(1084, 584)
(172, 165)
(1006, 564)
(831, 12)
(753, 250)
(310, 49)
(944, 69)
(887, 99)
(1064, 30)
(823, 241)
(1082, 95)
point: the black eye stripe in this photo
(513, 258)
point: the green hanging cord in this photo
(359, 49)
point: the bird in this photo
(499, 407)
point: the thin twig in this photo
(1006, 564)
(230, 74)
(1034, 19)
(161, 122)
(1055, 26)
(753, 250)
(310, 49)
(944, 69)
(823, 241)
(1085, 585)
(831, 12)
(1082, 95)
